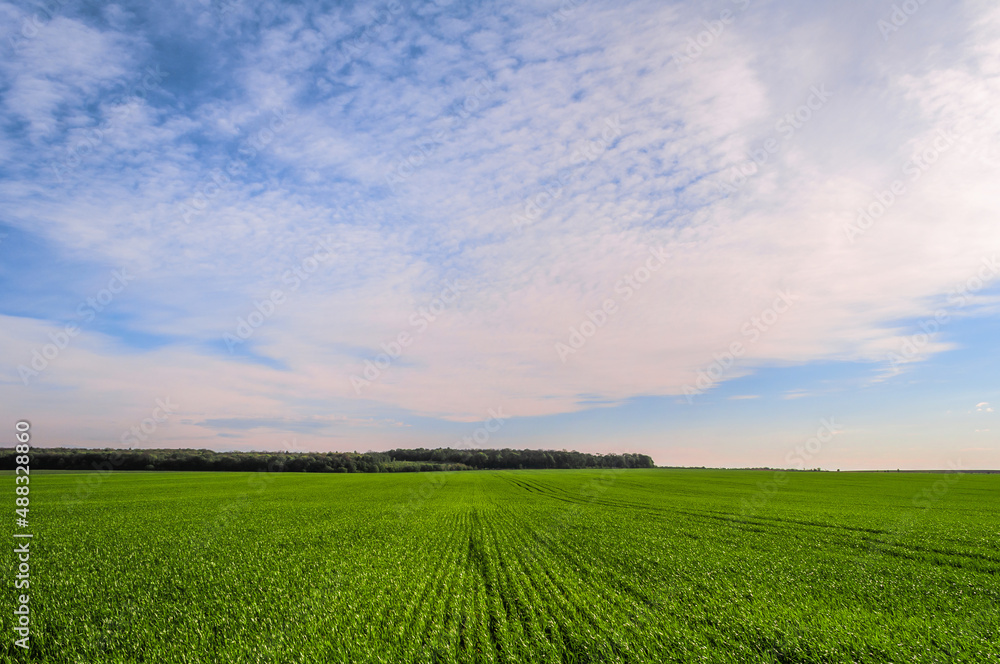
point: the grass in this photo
(513, 566)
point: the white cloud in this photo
(654, 187)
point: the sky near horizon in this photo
(728, 233)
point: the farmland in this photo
(513, 566)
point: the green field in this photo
(512, 566)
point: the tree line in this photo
(416, 460)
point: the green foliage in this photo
(513, 566)
(68, 458)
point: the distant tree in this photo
(342, 462)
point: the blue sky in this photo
(710, 232)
